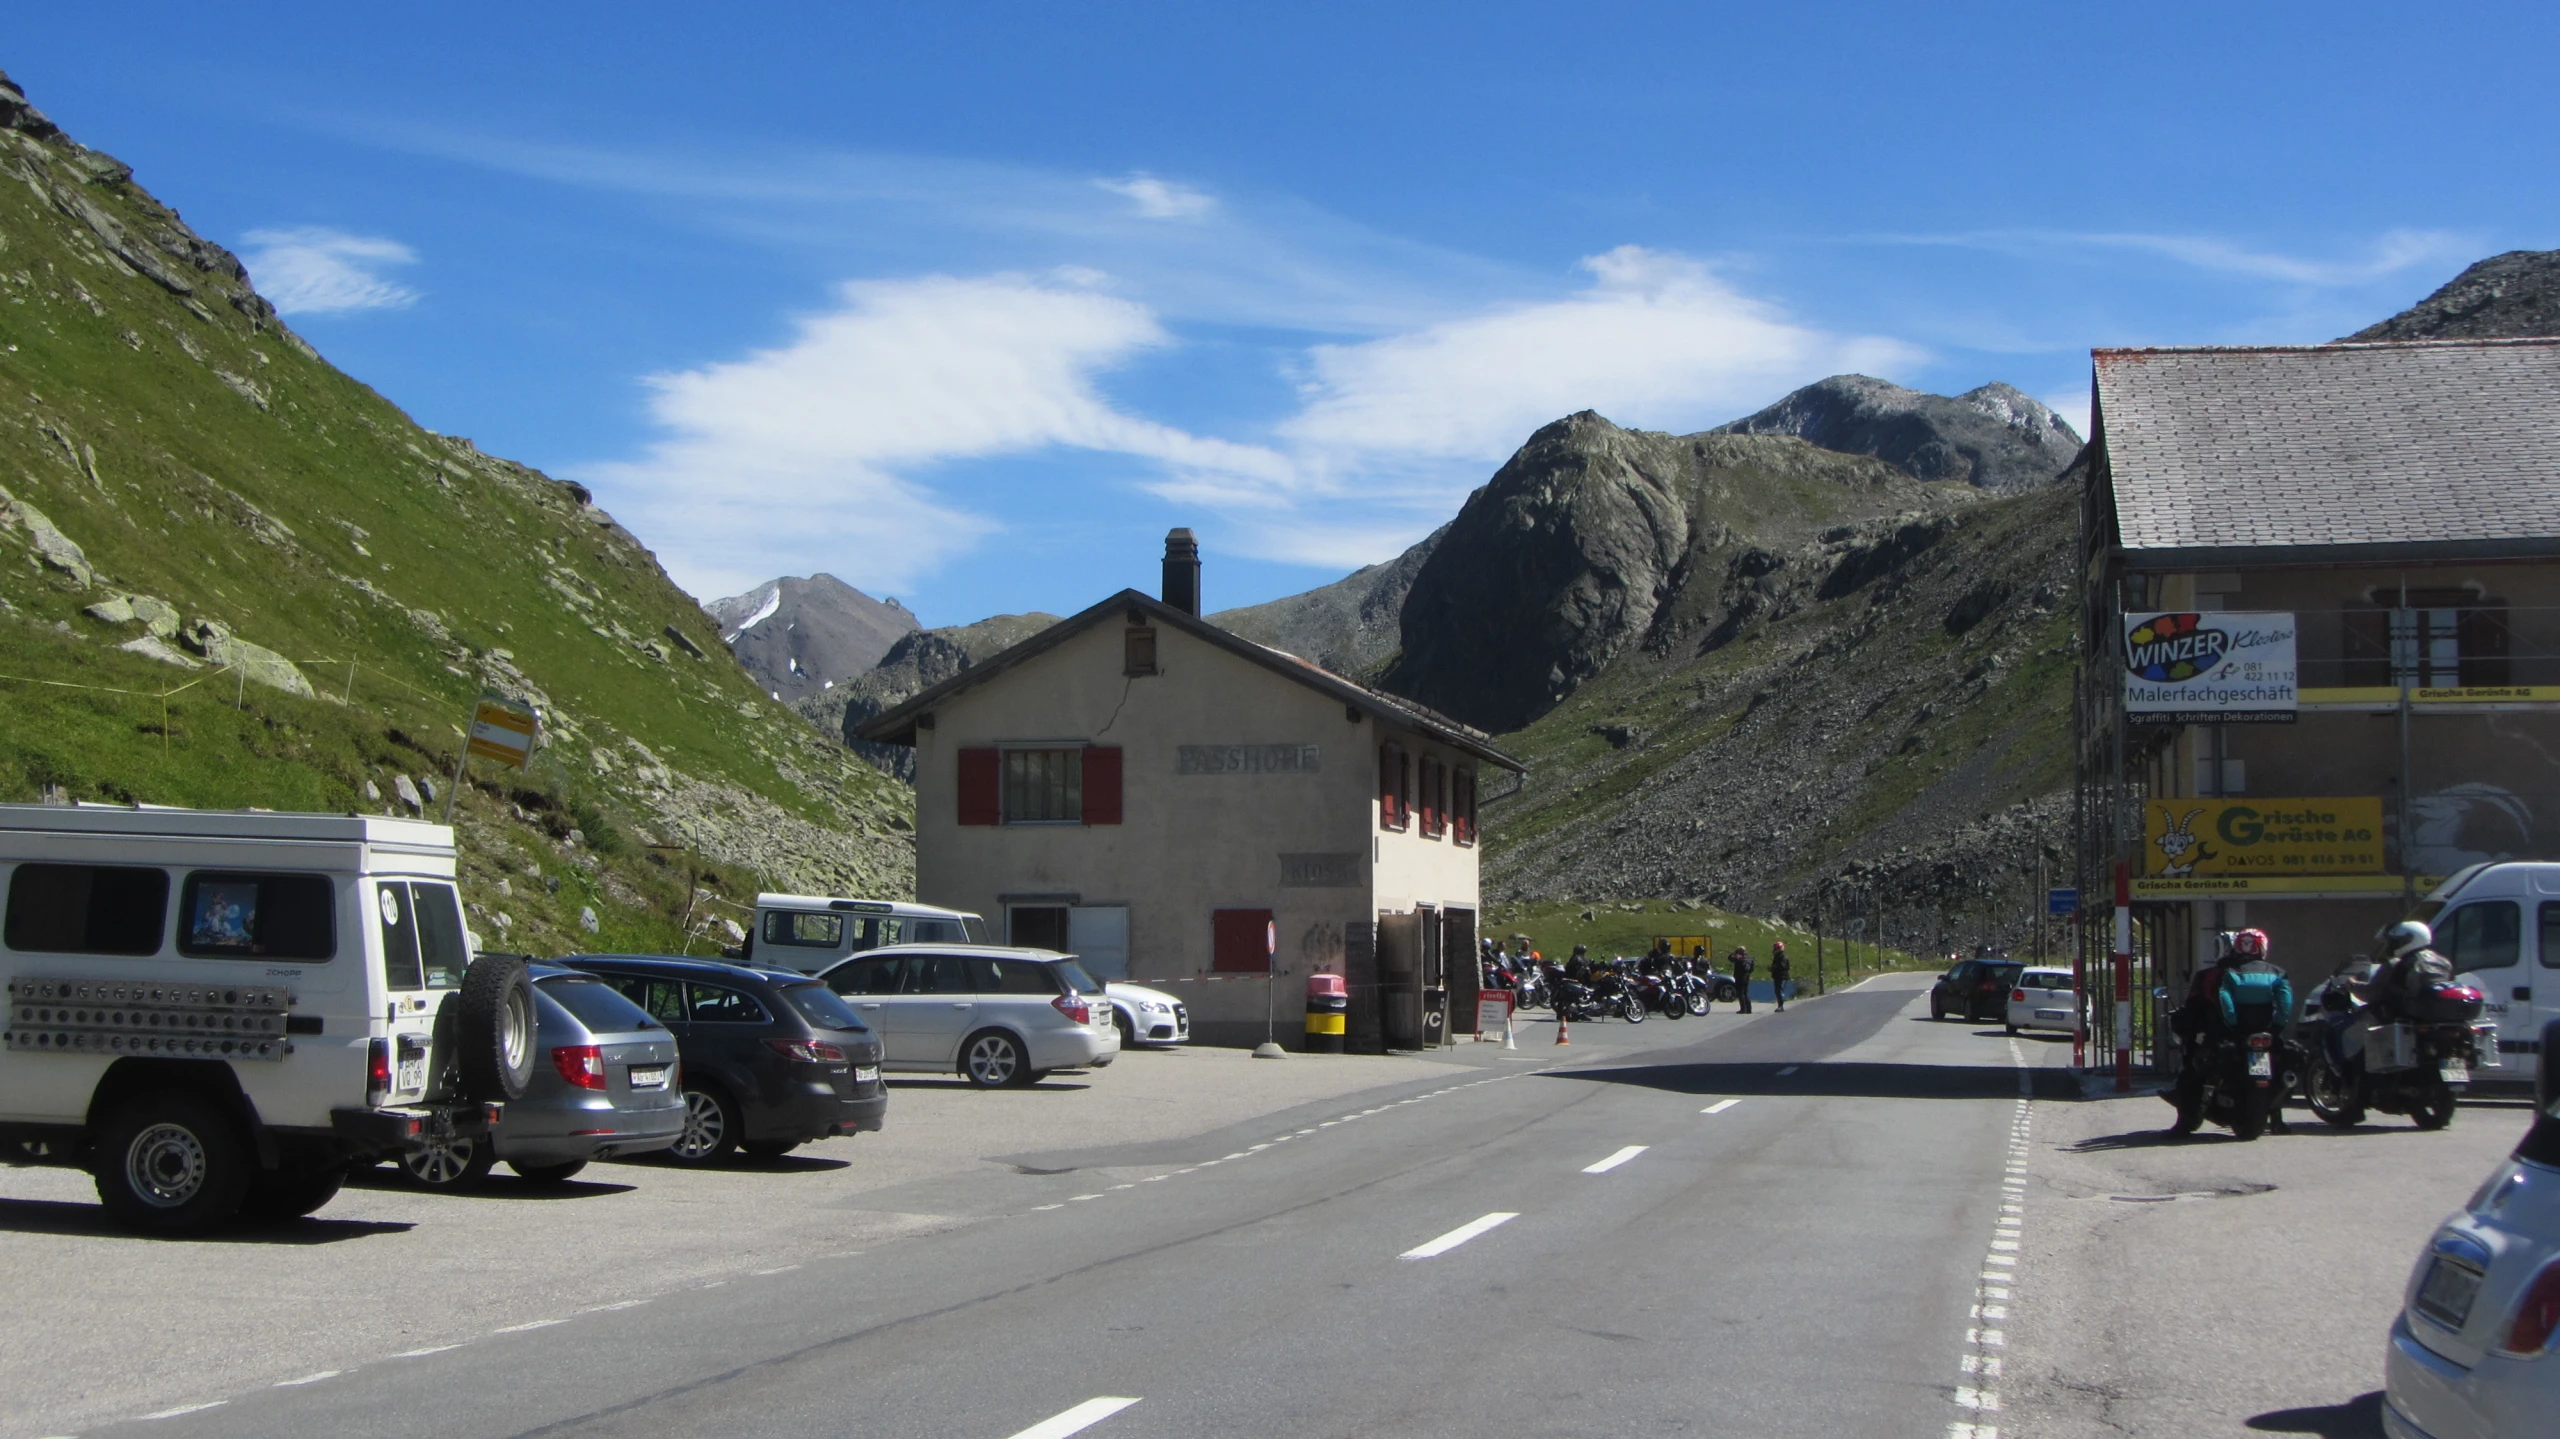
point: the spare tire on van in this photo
(493, 1029)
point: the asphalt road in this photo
(1788, 1227)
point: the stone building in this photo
(1192, 810)
(2321, 632)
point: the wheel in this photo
(994, 1060)
(277, 1199)
(449, 1163)
(494, 1029)
(2249, 1113)
(1631, 1008)
(2013, 1029)
(710, 1129)
(2330, 1098)
(769, 1148)
(172, 1164)
(1672, 1008)
(546, 1174)
(1128, 1031)
(2436, 1110)
(1937, 1009)
(1699, 1002)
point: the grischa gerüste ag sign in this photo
(2209, 667)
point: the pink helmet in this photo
(2250, 944)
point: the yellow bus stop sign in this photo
(504, 730)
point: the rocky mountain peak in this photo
(800, 637)
(2507, 296)
(1996, 437)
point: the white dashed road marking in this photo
(1460, 1235)
(1075, 1421)
(187, 1409)
(1720, 1106)
(1981, 1362)
(307, 1379)
(1614, 1160)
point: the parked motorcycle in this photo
(1662, 995)
(1617, 994)
(2411, 1063)
(2244, 1079)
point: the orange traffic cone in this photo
(1560, 1039)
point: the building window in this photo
(1037, 926)
(1462, 807)
(2443, 639)
(1241, 941)
(1044, 786)
(1435, 798)
(1395, 787)
(1138, 652)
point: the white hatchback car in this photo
(1148, 1018)
(2044, 999)
(2475, 1353)
(998, 1014)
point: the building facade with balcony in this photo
(2379, 526)
(1188, 809)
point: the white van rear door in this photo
(2484, 938)
(424, 952)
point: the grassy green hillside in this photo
(171, 452)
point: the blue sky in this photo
(967, 304)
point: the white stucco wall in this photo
(1188, 844)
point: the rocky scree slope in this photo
(1351, 627)
(798, 637)
(192, 500)
(922, 659)
(1996, 437)
(2507, 296)
(1880, 707)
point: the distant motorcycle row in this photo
(1585, 989)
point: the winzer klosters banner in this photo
(2209, 667)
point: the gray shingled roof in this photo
(2436, 446)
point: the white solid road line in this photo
(1456, 1237)
(1614, 1160)
(1075, 1421)
(1720, 1106)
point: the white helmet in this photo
(2406, 937)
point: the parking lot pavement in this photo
(386, 1270)
(2206, 1286)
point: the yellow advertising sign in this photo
(503, 730)
(2184, 837)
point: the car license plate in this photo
(2446, 1296)
(866, 1073)
(2262, 1065)
(648, 1076)
(413, 1074)
(2053, 1014)
(2456, 1072)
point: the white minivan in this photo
(810, 932)
(2499, 924)
(218, 1012)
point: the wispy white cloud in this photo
(1161, 199)
(2388, 254)
(314, 270)
(815, 448)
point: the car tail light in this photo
(2018, 995)
(580, 1064)
(377, 1073)
(2262, 1041)
(1073, 1006)
(2537, 1315)
(1989, 985)
(807, 1051)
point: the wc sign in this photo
(2209, 667)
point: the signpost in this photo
(1270, 1046)
(2061, 903)
(1493, 1011)
(501, 729)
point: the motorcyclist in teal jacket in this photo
(2255, 997)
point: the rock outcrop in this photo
(921, 660)
(1996, 437)
(1350, 627)
(799, 637)
(2503, 297)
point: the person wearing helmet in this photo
(2409, 967)
(2196, 1019)
(1578, 968)
(1741, 963)
(1780, 971)
(2255, 997)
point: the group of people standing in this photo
(1504, 970)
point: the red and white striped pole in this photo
(2124, 980)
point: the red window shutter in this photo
(1462, 807)
(1102, 784)
(1390, 792)
(1240, 940)
(980, 774)
(1428, 801)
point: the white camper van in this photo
(217, 1012)
(2499, 924)
(809, 932)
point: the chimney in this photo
(1182, 572)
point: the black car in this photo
(1976, 989)
(771, 1059)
